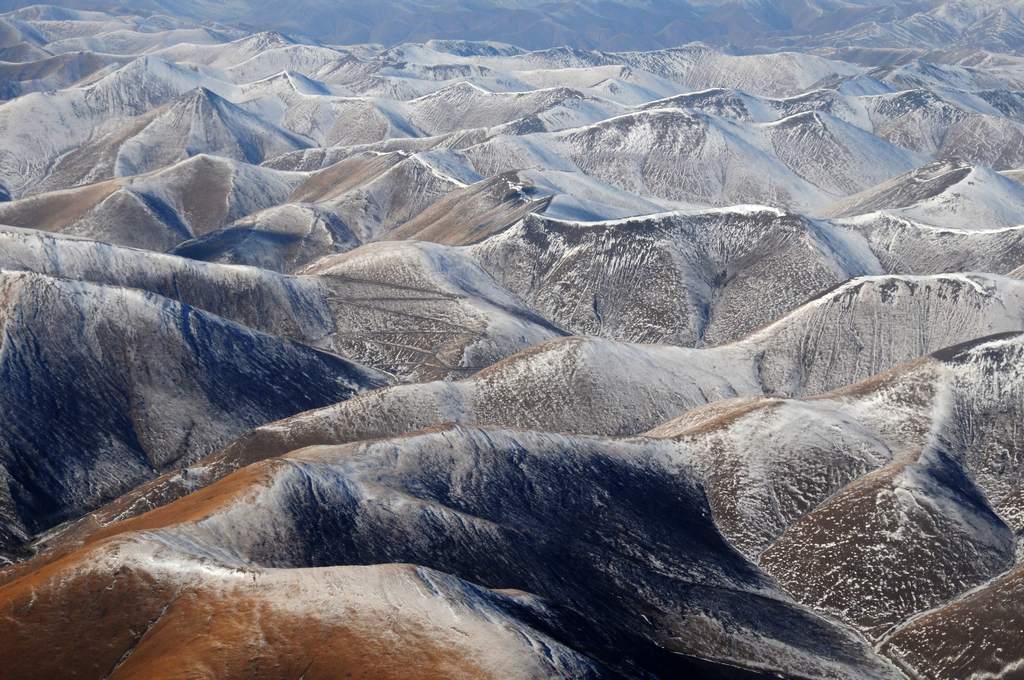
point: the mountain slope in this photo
(107, 386)
(428, 499)
(909, 473)
(283, 238)
(707, 277)
(922, 520)
(157, 210)
(202, 122)
(43, 127)
(684, 278)
(595, 386)
(305, 621)
(951, 194)
(407, 309)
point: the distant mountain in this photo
(157, 210)
(952, 194)
(616, 25)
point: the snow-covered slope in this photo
(201, 122)
(896, 474)
(598, 386)
(283, 238)
(684, 278)
(951, 194)
(52, 73)
(678, 155)
(42, 127)
(708, 277)
(699, 67)
(407, 309)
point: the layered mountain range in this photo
(761, 25)
(379, 346)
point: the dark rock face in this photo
(104, 387)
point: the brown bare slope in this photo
(652, 587)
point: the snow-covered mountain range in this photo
(993, 25)
(525, 340)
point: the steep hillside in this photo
(407, 309)
(105, 387)
(157, 210)
(702, 608)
